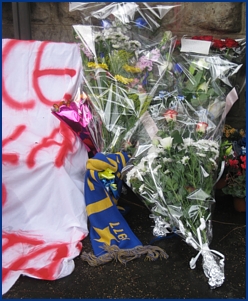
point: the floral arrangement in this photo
(168, 110)
(220, 44)
(234, 154)
(236, 177)
(232, 134)
(174, 175)
(79, 115)
(204, 80)
(120, 77)
(231, 49)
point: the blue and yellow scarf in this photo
(110, 235)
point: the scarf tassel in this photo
(124, 255)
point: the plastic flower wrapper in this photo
(143, 17)
(231, 49)
(120, 77)
(205, 80)
(174, 170)
(78, 114)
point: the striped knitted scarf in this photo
(110, 235)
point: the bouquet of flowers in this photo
(142, 17)
(175, 167)
(174, 174)
(79, 115)
(234, 154)
(205, 80)
(231, 49)
(120, 77)
(236, 177)
(205, 75)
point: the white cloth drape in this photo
(43, 162)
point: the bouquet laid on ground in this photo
(122, 69)
(174, 173)
(175, 167)
(168, 113)
(234, 155)
(120, 78)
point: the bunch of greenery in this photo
(121, 76)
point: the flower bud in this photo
(166, 142)
(170, 115)
(201, 127)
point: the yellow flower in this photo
(227, 134)
(131, 69)
(94, 65)
(123, 79)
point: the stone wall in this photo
(52, 21)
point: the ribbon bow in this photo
(108, 179)
(202, 247)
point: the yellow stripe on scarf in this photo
(92, 174)
(99, 165)
(99, 206)
(90, 184)
(123, 160)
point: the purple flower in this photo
(155, 54)
(177, 68)
(87, 52)
(143, 63)
(106, 23)
(140, 23)
(144, 82)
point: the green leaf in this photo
(190, 86)
(177, 138)
(198, 77)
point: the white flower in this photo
(141, 188)
(134, 45)
(185, 160)
(155, 170)
(166, 142)
(165, 160)
(152, 156)
(201, 155)
(132, 174)
(214, 162)
(141, 166)
(188, 142)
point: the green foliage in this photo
(119, 79)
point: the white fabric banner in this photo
(43, 162)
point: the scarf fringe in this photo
(124, 255)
